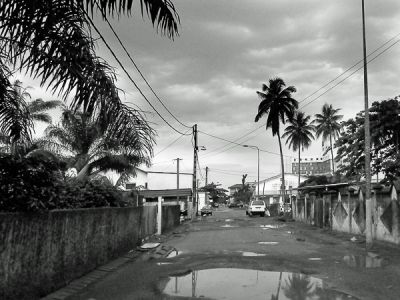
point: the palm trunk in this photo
(333, 164)
(283, 169)
(279, 286)
(299, 169)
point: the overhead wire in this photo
(137, 68)
(170, 144)
(129, 76)
(351, 74)
(348, 69)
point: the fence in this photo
(42, 252)
(343, 209)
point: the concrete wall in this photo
(42, 252)
(170, 217)
(344, 210)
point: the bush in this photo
(37, 184)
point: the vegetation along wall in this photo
(40, 252)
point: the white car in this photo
(257, 207)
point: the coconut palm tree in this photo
(277, 103)
(299, 287)
(38, 107)
(299, 134)
(328, 126)
(89, 147)
(52, 41)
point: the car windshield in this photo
(257, 202)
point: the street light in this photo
(258, 167)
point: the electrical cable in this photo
(129, 76)
(347, 70)
(351, 74)
(169, 145)
(137, 68)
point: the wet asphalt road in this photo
(232, 256)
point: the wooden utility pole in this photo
(177, 178)
(368, 202)
(194, 183)
(206, 176)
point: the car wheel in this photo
(262, 214)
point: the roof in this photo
(279, 175)
(323, 186)
(238, 185)
(165, 193)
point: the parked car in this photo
(206, 210)
(257, 207)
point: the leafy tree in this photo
(85, 142)
(244, 193)
(52, 41)
(328, 126)
(385, 127)
(216, 193)
(299, 134)
(278, 105)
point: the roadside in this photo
(229, 239)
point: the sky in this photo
(225, 51)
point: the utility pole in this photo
(368, 204)
(177, 178)
(206, 176)
(194, 183)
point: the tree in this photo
(18, 118)
(52, 41)
(328, 127)
(385, 127)
(299, 134)
(299, 287)
(87, 145)
(216, 193)
(277, 103)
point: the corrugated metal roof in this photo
(165, 193)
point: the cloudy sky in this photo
(226, 49)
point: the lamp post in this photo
(258, 167)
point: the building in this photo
(270, 188)
(312, 166)
(234, 188)
(139, 181)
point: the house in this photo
(139, 181)
(270, 188)
(234, 188)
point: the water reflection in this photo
(226, 283)
(363, 261)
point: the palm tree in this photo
(52, 41)
(89, 147)
(328, 126)
(277, 103)
(299, 134)
(299, 287)
(15, 135)
(38, 107)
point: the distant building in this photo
(139, 181)
(234, 188)
(312, 166)
(270, 188)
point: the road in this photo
(232, 256)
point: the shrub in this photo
(37, 184)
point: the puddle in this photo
(268, 243)
(227, 283)
(228, 220)
(174, 253)
(148, 246)
(364, 261)
(245, 253)
(272, 226)
(163, 263)
(315, 258)
(228, 226)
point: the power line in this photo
(129, 76)
(347, 70)
(351, 74)
(173, 142)
(137, 68)
(238, 144)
